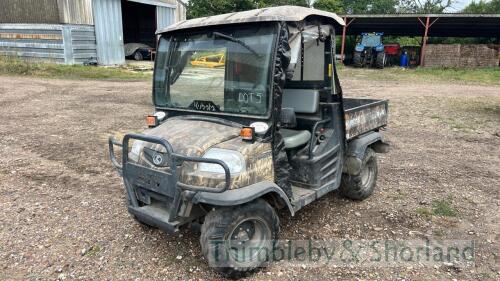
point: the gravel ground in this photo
(63, 214)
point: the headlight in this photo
(233, 159)
(136, 150)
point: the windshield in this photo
(226, 70)
(371, 40)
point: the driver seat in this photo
(295, 138)
(304, 101)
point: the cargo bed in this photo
(364, 115)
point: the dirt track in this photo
(62, 205)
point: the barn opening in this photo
(139, 23)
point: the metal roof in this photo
(442, 25)
(282, 13)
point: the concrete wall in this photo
(49, 42)
(462, 55)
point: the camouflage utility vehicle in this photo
(268, 130)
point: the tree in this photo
(483, 7)
(370, 6)
(203, 8)
(334, 6)
(425, 6)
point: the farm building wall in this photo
(49, 42)
(73, 31)
(462, 55)
(75, 11)
(29, 11)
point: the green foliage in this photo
(441, 208)
(483, 7)
(424, 6)
(335, 6)
(483, 76)
(203, 8)
(370, 6)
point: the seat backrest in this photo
(301, 100)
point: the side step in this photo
(155, 215)
(304, 196)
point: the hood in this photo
(191, 137)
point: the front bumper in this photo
(168, 209)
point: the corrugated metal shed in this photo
(75, 11)
(108, 31)
(164, 16)
(159, 3)
(77, 31)
(29, 11)
(58, 43)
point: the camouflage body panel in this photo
(364, 119)
(191, 137)
(194, 138)
(259, 166)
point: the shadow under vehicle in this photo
(269, 130)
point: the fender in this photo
(356, 150)
(242, 195)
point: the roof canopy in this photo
(440, 25)
(282, 13)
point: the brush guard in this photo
(165, 183)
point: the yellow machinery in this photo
(210, 61)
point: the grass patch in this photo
(441, 208)
(439, 233)
(93, 251)
(467, 114)
(13, 66)
(486, 76)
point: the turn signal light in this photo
(247, 133)
(152, 121)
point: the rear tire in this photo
(361, 186)
(138, 56)
(229, 233)
(381, 60)
(357, 59)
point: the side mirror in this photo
(288, 118)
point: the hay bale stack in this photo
(462, 55)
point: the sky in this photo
(459, 5)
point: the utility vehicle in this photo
(370, 51)
(228, 147)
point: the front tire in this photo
(357, 59)
(237, 240)
(361, 186)
(381, 60)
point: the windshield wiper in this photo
(236, 40)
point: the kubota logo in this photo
(157, 159)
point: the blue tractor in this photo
(370, 51)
